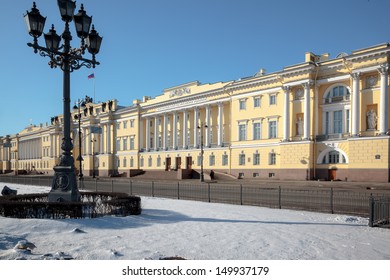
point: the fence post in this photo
(241, 194)
(280, 197)
(331, 201)
(178, 190)
(372, 203)
(209, 192)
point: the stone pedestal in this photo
(64, 185)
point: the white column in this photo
(174, 132)
(108, 142)
(89, 141)
(286, 127)
(306, 121)
(141, 133)
(355, 118)
(384, 100)
(196, 129)
(207, 128)
(156, 133)
(165, 132)
(147, 128)
(220, 124)
(184, 133)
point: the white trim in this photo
(331, 149)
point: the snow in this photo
(195, 231)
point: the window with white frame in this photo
(272, 158)
(241, 131)
(242, 103)
(334, 157)
(118, 144)
(132, 143)
(225, 160)
(272, 129)
(212, 160)
(159, 161)
(150, 162)
(256, 102)
(118, 125)
(124, 124)
(256, 158)
(124, 162)
(131, 162)
(241, 159)
(272, 99)
(256, 130)
(131, 123)
(336, 111)
(124, 143)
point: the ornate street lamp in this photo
(201, 151)
(64, 185)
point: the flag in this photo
(92, 76)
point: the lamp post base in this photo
(64, 185)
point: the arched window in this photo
(336, 112)
(332, 155)
(337, 94)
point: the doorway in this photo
(167, 164)
(332, 174)
(188, 162)
(178, 162)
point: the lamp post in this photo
(93, 141)
(81, 103)
(201, 151)
(64, 185)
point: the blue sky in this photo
(150, 45)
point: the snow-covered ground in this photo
(196, 231)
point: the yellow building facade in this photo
(326, 118)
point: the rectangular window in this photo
(131, 123)
(124, 162)
(131, 143)
(150, 162)
(125, 144)
(118, 144)
(212, 160)
(118, 125)
(199, 159)
(272, 99)
(338, 122)
(241, 159)
(272, 129)
(272, 158)
(243, 104)
(125, 124)
(131, 162)
(225, 160)
(256, 131)
(347, 121)
(241, 132)
(256, 159)
(256, 102)
(158, 161)
(141, 162)
(326, 123)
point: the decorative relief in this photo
(371, 81)
(179, 92)
(298, 94)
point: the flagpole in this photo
(94, 88)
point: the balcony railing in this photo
(337, 99)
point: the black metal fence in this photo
(324, 200)
(379, 212)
